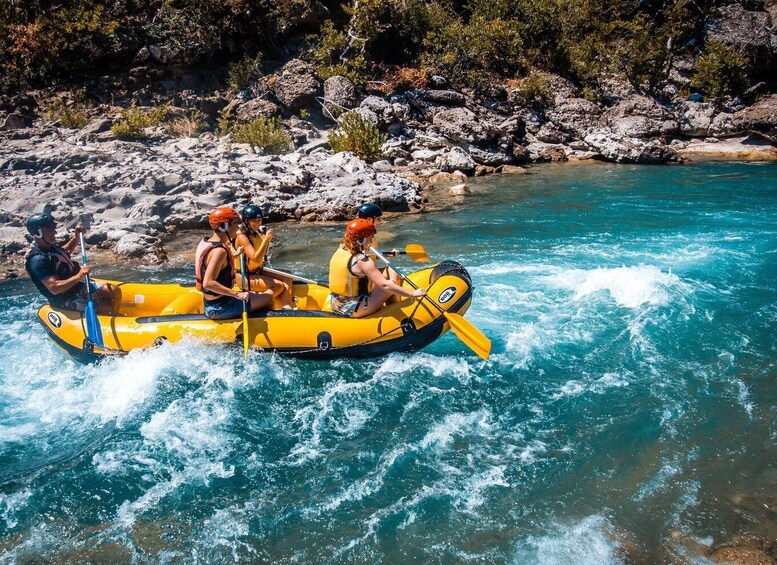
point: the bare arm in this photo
(58, 286)
(216, 261)
(73, 242)
(367, 267)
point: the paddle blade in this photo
(417, 252)
(470, 335)
(93, 330)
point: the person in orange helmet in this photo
(215, 270)
(351, 270)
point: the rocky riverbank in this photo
(137, 194)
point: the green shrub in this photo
(465, 52)
(535, 88)
(336, 55)
(265, 133)
(241, 73)
(358, 134)
(133, 121)
(72, 118)
(720, 71)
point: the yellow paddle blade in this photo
(470, 335)
(417, 252)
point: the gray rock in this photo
(297, 85)
(489, 157)
(457, 160)
(460, 125)
(761, 117)
(446, 97)
(253, 109)
(16, 121)
(438, 81)
(640, 116)
(97, 126)
(339, 93)
(618, 148)
(134, 245)
(576, 116)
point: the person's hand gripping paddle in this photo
(465, 331)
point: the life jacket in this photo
(342, 281)
(226, 275)
(63, 266)
(256, 239)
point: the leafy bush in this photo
(72, 118)
(265, 133)
(241, 73)
(337, 55)
(133, 121)
(535, 88)
(358, 134)
(41, 43)
(464, 52)
(720, 71)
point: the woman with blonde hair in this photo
(351, 271)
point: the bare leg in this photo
(374, 302)
(260, 301)
(107, 299)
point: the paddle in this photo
(415, 252)
(243, 279)
(267, 269)
(465, 331)
(93, 330)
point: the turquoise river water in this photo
(627, 414)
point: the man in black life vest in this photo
(57, 276)
(215, 271)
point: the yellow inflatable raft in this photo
(154, 313)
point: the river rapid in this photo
(627, 413)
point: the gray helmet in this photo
(37, 222)
(369, 210)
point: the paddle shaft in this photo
(267, 269)
(243, 281)
(83, 260)
(404, 278)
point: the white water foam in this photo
(592, 541)
(629, 287)
(10, 504)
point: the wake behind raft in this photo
(152, 314)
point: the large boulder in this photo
(251, 110)
(576, 116)
(457, 159)
(761, 117)
(460, 125)
(701, 119)
(615, 147)
(640, 116)
(339, 94)
(297, 85)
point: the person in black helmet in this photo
(57, 276)
(255, 243)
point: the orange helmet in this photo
(220, 216)
(359, 229)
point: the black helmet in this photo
(37, 222)
(369, 210)
(251, 212)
